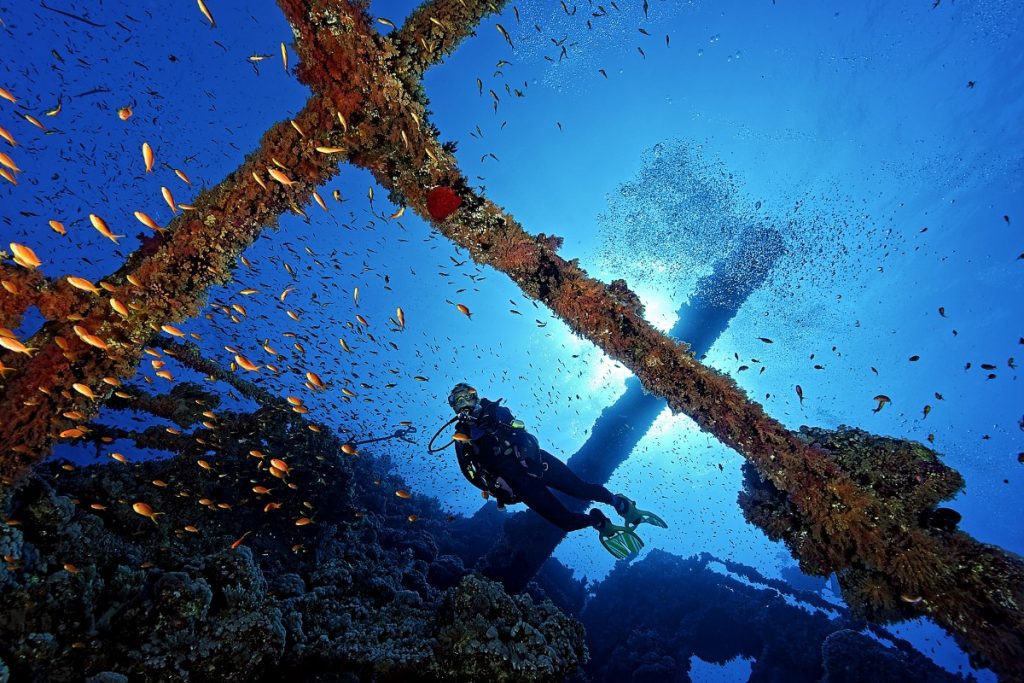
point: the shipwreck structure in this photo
(368, 103)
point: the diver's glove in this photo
(620, 541)
(634, 516)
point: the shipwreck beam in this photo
(528, 539)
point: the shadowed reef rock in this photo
(91, 588)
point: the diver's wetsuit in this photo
(492, 459)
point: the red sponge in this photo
(442, 202)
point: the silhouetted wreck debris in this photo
(640, 630)
(367, 102)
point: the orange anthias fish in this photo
(34, 121)
(24, 256)
(89, 338)
(9, 163)
(169, 198)
(147, 221)
(206, 13)
(101, 227)
(279, 176)
(84, 390)
(12, 344)
(8, 137)
(146, 511)
(83, 284)
(147, 156)
(238, 541)
(119, 307)
(246, 364)
(402, 493)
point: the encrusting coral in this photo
(907, 482)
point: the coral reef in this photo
(851, 657)
(219, 584)
(482, 625)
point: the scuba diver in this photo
(498, 456)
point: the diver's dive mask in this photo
(463, 398)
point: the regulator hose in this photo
(430, 448)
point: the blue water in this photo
(848, 128)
